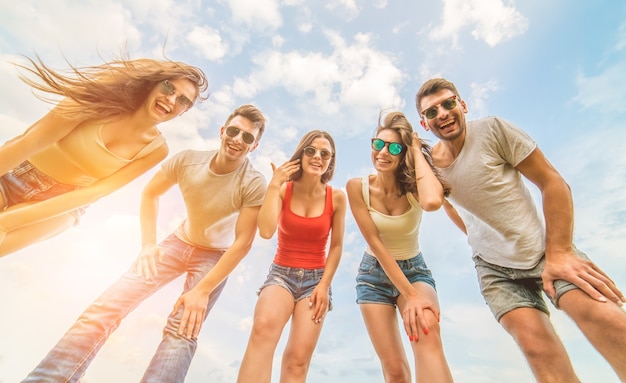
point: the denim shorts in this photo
(374, 286)
(26, 183)
(505, 289)
(299, 282)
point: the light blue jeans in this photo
(71, 356)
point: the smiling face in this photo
(318, 163)
(447, 125)
(171, 98)
(235, 148)
(382, 159)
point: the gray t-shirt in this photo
(503, 224)
(213, 201)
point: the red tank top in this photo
(302, 240)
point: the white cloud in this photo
(605, 91)
(256, 14)
(491, 21)
(348, 6)
(478, 98)
(208, 41)
(354, 76)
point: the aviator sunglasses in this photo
(394, 148)
(248, 138)
(433, 111)
(168, 89)
(311, 150)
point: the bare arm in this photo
(150, 253)
(27, 214)
(273, 201)
(558, 209)
(48, 130)
(429, 189)
(319, 297)
(415, 307)
(454, 215)
(195, 300)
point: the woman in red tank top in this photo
(309, 216)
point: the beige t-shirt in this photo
(213, 201)
(503, 224)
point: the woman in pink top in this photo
(393, 276)
(306, 211)
(99, 137)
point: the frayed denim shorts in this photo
(374, 286)
(299, 282)
(505, 289)
(26, 183)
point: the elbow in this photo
(431, 204)
(266, 234)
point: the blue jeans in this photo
(374, 286)
(71, 356)
(299, 282)
(26, 183)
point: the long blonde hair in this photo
(109, 90)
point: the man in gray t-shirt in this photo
(223, 194)
(516, 252)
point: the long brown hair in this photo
(405, 174)
(306, 141)
(108, 90)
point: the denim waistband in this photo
(298, 271)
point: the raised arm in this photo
(429, 189)
(415, 307)
(150, 253)
(195, 301)
(319, 297)
(272, 204)
(558, 210)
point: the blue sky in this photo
(556, 69)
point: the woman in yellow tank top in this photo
(393, 276)
(99, 137)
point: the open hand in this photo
(146, 263)
(583, 273)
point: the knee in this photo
(396, 372)
(264, 327)
(295, 364)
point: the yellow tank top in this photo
(81, 158)
(399, 233)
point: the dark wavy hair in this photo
(405, 174)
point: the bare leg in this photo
(604, 325)
(27, 235)
(382, 326)
(303, 338)
(272, 311)
(534, 334)
(430, 361)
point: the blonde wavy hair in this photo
(109, 90)
(405, 174)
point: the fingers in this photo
(319, 305)
(605, 285)
(416, 319)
